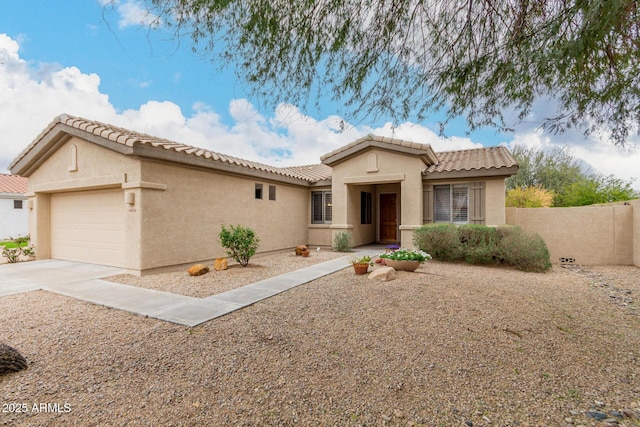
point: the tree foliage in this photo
(529, 197)
(598, 189)
(571, 182)
(407, 58)
(554, 170)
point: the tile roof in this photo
(491, 158)
(315, 173)
(473, 159)
(377, 138)
(131, 138)
(13, 184)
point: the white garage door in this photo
(88, 226)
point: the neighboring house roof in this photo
(13, 184)
(475, 161)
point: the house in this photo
(13, 215)
(107, 195)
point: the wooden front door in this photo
(388, 217)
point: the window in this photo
(451, 203)
(366, 206)
(272, 192)
(258, 191)
(321, 207)
(17, 204)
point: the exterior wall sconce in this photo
(130, 199)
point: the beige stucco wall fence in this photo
(589, 235)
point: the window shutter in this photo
(427, 204)
(328, 208)
(477, 203)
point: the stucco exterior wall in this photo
(590, 235)
(181, 224)
(375, 167)
(494, 202)
(78, 165)
(13, 222)
(319, 235)
(362, 233)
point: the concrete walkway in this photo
(83, 281)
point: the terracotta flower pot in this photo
(402, 265)
(361, 268)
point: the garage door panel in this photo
(88, 227)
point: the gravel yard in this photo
(215, 282)
(449, 345)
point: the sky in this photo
(105, 63)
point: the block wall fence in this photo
(588, 235)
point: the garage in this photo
(88, 226)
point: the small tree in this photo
(241, 243)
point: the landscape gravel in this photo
(448, 345)
(260, 267)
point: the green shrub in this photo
(342, 242)
(241, 243)
(524, 252)
(479, 244)
(480, 254)
(441, 241)
(473, 234)
(22, 241)
(17, 247)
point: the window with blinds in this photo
(451, 203)
(321, 207)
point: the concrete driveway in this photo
(83, 281)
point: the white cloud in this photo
(414, 132)
(31, 95)
(133, 14)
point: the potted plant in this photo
(361, 265)
(405, 259)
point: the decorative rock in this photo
(220, 264)
(300, 249)
(198, 270)
(385, 274)
(596, 415)
(11, 360)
